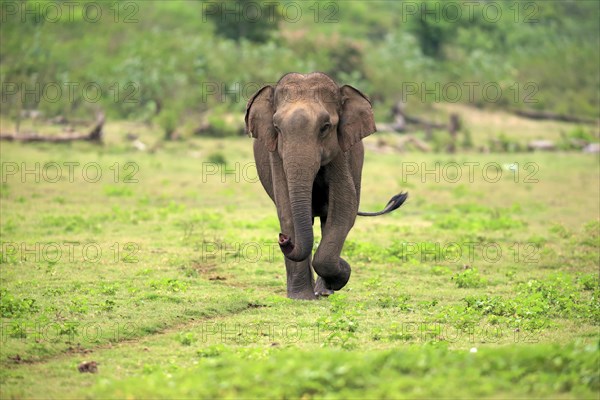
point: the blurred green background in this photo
(168, 62)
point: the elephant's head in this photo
(308, 120)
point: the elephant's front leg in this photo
(300, 281)
(334, 272)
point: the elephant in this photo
(309, 156)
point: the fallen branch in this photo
(95, 135)
(424, 123)
(545, 115)
(410, 139)
(541, 145)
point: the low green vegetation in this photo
(166, 272)
(522, 371)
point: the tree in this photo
(243, 19)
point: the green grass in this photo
(165, 271)
(410, 373)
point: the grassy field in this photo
(162, 267)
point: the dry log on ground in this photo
(592, 148)
(542, 145)
(541, 115)
(417, 143)
(95, 135)
(424, 123)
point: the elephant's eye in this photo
(277, 129)
(325, 128)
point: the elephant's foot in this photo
(321, 290)
(337, 281)
(304, 295)
(300, 282)
(301, 289)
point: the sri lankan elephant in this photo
(309, 157)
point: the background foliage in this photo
(185, 57)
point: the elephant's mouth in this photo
(285, 243)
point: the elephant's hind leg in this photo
(321, 288)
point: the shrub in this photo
(469, 278)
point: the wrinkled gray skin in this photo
(309, 158)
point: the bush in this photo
(469, 278)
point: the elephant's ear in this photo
(356, 119)
(259, 118)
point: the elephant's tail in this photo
(393, 204)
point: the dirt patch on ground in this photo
(204, 269)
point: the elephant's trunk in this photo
(300, 246)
